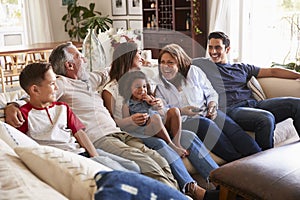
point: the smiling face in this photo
(137, 61)
(78, 65)
(47, 89)
(217, 50)
(138, 89)
(168, 66)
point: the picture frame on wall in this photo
(134, 7)
(135, 24)
(119, 23)
(119, 7)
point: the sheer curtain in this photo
(38, 27)
(220, 16)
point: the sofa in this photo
(31, 171)
(262, 88)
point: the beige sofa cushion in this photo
(17, 182)
(68, 173)
(279, 87)
(13, 137)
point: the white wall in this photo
(57, 12)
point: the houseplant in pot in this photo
(84, 23)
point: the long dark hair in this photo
(123, 57)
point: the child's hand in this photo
(148, 98)
(157, 104)
(140, 118)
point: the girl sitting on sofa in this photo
(135, 89)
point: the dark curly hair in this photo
(126, 81)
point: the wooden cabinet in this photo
(175, 21)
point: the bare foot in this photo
(181, 151)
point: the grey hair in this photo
(59, 56)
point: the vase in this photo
(93, 52)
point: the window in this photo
(266, 31)
(11, 23)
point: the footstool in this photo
(273, 174)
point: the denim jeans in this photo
(132, 186)
(261, 117)
(223, 136)
(199, 156)
(116, 162)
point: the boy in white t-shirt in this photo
(50, 122)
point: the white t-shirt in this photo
(85, 101)
(113, 88)
(53, 126)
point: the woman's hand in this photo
(212, 110)
(189, 110)
(140, 118)
(13, 115)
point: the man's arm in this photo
(278, 73)
(13, 115)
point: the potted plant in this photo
(79, 19)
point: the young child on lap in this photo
(135, 89)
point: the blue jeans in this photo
(261, 117)
(199, 157)
(223, 136)
(116, 162)
(132, 186)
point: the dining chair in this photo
(11, 66)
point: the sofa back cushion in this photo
(280, 87)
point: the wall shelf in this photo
(175, 21)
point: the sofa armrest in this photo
(278, 87)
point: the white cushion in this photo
(13, 137)
(284, 131)
(69, 173)
(17, 182)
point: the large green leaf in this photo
(79, 18)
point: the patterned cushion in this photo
(70, 174)
(13, 137)
(17, 182)
(257, 91)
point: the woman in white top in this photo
(127, 58)
(185, 86)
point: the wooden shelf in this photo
(174, 24)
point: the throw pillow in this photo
(13, 137)
(257, 91)
(17, 182)
(70, 174)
